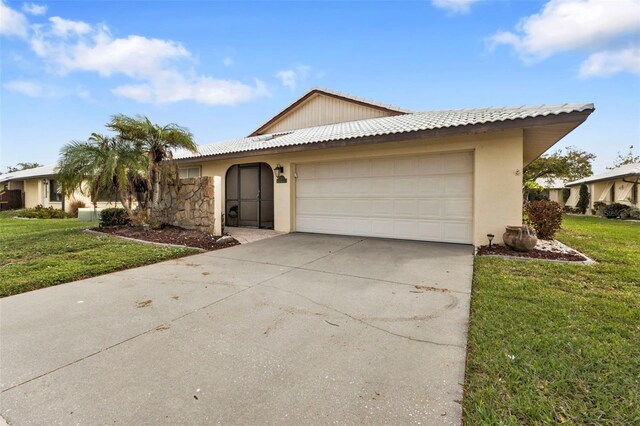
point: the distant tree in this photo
(583, 200)
(570, 164)
(22, 166)
(628, 158)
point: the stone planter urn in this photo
(520, 238)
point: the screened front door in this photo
(249, 196)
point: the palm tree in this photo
(158, 142)
(108, 165)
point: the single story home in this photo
(554, 189)
(619, 185)
(39, 187)
(338, 164)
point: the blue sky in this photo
(223, 68)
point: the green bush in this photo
(40, 212)
(634, 214)
(74, 206)
(583, 200)
(615, 210)
(599, 206)
(114, 217)
(545, 217)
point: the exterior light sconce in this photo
(279, 170)
(490, 238)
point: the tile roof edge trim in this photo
(578, 116)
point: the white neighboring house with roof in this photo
(619, 185)
(337, 164)
(39, 187)
(554, 189)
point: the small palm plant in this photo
(101, 165)
(157, 143)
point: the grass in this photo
(40, 253)
(558, 343)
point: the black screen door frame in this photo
(237, 197)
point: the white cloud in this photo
(611, 62)
(228, 61)
(61, 27)
(161, 70)
(292, 77)
(34, 9)
(455, 6)
(12, 23)
(24, 87)
(171, 87)
(566, 25)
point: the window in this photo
(613, 193)
(634, 193)
(55, 193)
(189, 172)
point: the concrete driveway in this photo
(296, 329)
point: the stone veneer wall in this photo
(188, 204)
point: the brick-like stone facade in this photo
(188, 204)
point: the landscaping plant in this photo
(41, 212)
(583, 200)
(545, 217)
(74, 206)
(616, 211)
(114, 217)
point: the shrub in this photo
(634, 214)
(74, 206)
(569, 209)
(40, 212)
(615, 210)
(599, 207)
(583, 200)
(545, 217)
(114, 217)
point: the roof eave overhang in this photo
(637, 175)
(577, 117)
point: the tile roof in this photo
(47, 170)
(405, 123)
(622, 171)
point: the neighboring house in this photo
(620, 185)
(39, 187)
(346, 165)
(554, 189)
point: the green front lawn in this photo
(40, 253)
(558, 343)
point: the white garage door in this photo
(427, 197)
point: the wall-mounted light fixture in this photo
(279, 170)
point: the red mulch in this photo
(170, 235)
(500, 250)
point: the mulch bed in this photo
(500, 250)
(170, 235)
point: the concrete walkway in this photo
(296, 329)
(250, 235)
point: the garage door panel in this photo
(458, 184)
(426, 197)
(458, 209)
